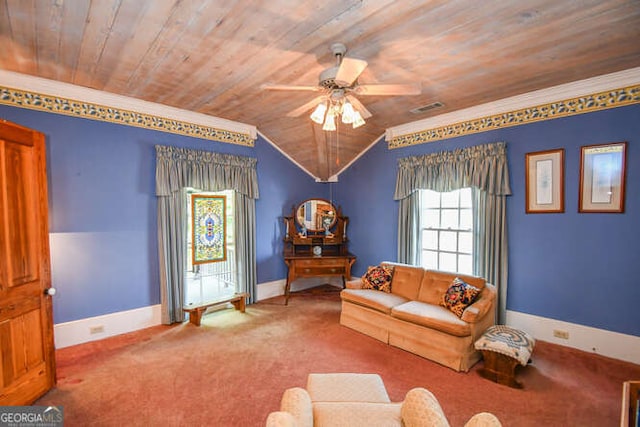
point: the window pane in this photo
(429, 239)
(450, 200)
(465, 264)
(447, 262)
(430, 199)
(465, 242)
(431, 218)
(466, 219)
(449, 219)
(448, 241)
(465, 197)
(430, 259)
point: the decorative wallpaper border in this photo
(569, 107)
(54, 104)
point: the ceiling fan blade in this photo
(359, 107)
(306, 107)
(349, 71)
(390, 89)
(272, 86)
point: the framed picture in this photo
(544, 181)
(602, 178)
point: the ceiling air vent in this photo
(427, 107)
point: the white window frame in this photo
(439, 229)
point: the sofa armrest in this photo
(481, 306)
(420, 407)
(281, 419)
(297, 402)
(353, 283)
(483, 419)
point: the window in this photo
(446, 224)
(206, 282)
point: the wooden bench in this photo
(196, 311)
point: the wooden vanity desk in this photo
(319, 249)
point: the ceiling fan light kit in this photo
(327, 110)
(339, 83)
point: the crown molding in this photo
(20, 90)
(584, 96)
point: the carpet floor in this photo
(232, 370)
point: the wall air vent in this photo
(427, 107)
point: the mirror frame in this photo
(316, 199)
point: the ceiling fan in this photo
(339, 84)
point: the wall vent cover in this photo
(425, 108)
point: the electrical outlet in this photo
(561, 334)
(98, 329)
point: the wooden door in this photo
(27, 364)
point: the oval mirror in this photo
(316, 214)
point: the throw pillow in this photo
(459, 296)
(378, 278)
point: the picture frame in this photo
(602, 178)
(544, 181)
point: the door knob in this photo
(50, 291)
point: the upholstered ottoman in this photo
(503, 348)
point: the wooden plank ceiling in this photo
(212, 56)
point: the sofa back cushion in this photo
(406, 280)
(435, 284)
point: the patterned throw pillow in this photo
(378, 278)
(459, 296)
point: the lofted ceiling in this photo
(212, 56)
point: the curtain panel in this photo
(484, 168)
(178, 169)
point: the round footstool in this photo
(503, 348)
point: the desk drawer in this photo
(320, 271)
(319, 261)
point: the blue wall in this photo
(102, 209)
(579, 268)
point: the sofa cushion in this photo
(432, 316)
(406, 280)
(347, 387)
(459, 296)
(356, 414)
(380, 301)
(435, 284)
(378, 277)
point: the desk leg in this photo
(287, 286)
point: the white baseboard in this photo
(80, 331)
(108, 325)
(270, 289)
(593, 340)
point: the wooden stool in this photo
(503, 348)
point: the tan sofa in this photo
(410, 317)
(361, 400)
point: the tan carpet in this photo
(232, 371)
